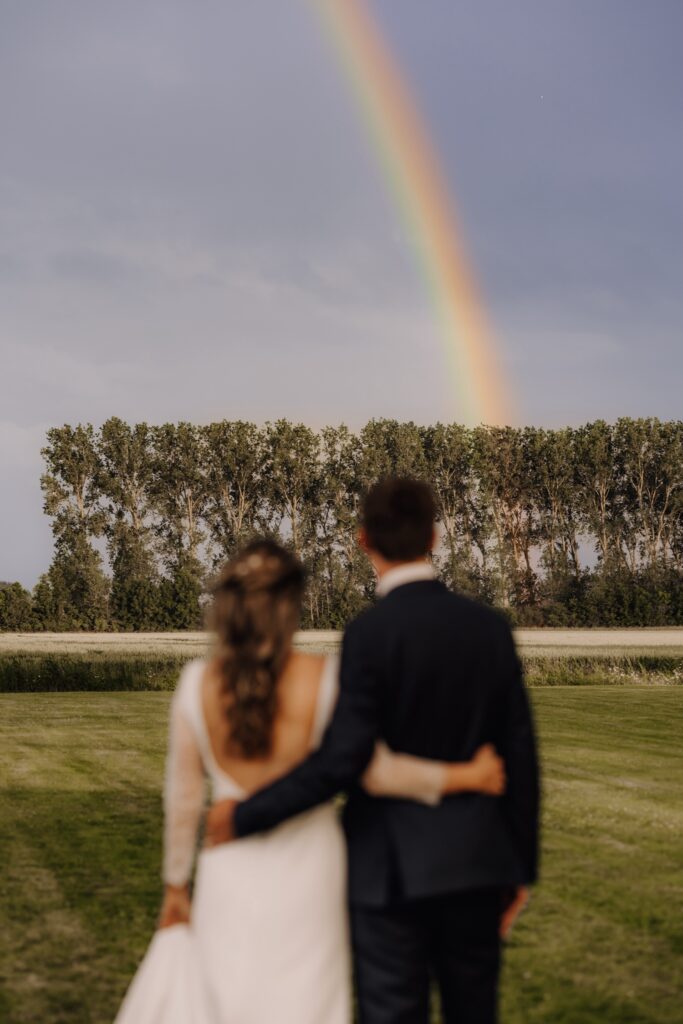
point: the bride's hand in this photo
(488, 771)
(219, 824)
(379, 777)
(401, 775)
(176, 906)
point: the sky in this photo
(194, 223)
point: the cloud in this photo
(195, 224)
(565, 349)
(25, 540)
(20, 445)
(92, 267)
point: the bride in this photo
(264, 936)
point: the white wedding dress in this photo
(268, 939)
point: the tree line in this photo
(577, 526)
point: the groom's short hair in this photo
(398, 517)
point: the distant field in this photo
(39, 662)
(531, 642)
(80, 844)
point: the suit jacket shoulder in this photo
(486, 619)
(458, 604)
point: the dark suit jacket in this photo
(436, 675)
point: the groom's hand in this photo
(220, 823)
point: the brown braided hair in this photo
(256, 610)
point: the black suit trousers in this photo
(399, 950)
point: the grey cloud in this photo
(194, 224)
(92, 266)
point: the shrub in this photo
(16, 611)
(48, 673)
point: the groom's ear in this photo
(363, 542)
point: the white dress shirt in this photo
(411, 572)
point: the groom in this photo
(433, 674)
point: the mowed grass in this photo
(80, 846)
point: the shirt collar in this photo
(411, 572)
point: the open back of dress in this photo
(268, 940)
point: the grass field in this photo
(80, 778)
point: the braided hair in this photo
(256, 610)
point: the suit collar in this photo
(411, 572)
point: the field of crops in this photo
(531, 642)
(43, 662)
(80, 785)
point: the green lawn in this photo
(80, 778)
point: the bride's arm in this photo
(416, 778)
(184, 790)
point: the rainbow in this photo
(413, 171)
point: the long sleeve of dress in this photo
(403, 776)
(184, 793)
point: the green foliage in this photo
(178, 491)
(612, 670)
(124, 479)
(16, 609)
(48, 606)
(78, 588)
(36, 672)
(557, 527)
(179, 597)
(137, 603)
(645, 597)
(76, 573)
(234, 456)
(54, 673)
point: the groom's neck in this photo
(382, 566)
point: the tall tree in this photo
(71, 499)
(390, 448)
(124, 480)
(292, 472)
(649, 455)
(343, 577)
(178, 495)
(502, 462)
(599, 496)
(463, 517)
(553, 483)
(178, 490)
(515, 509)
(234, 454)
(16, 610)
